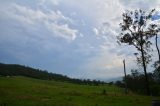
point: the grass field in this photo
(22, 91)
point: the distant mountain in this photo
(114, 79)
(19, 70)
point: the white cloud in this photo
(98, 11)
(63, 31)
(95, 30)
(55, 21)
(54, 2)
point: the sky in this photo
(71, 37)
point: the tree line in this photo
(19, 70)
(136, 82)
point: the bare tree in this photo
(157, 50)
(137, 30)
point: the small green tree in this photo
(136, 30)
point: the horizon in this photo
(69, 37)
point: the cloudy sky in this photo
(72, 37)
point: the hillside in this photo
(23, 91)
(16, 70)
(19, 70)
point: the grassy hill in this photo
(24, 91)
(20, 70)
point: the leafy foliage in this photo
(156, 74)
(137, 30)
(136, 82)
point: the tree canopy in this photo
(137, 29)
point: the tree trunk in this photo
(158, 50)
(144, 67)
(125, 76)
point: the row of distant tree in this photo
(136, 82)
(19, 70)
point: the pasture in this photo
(23, 91)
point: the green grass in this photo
(22, 91)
